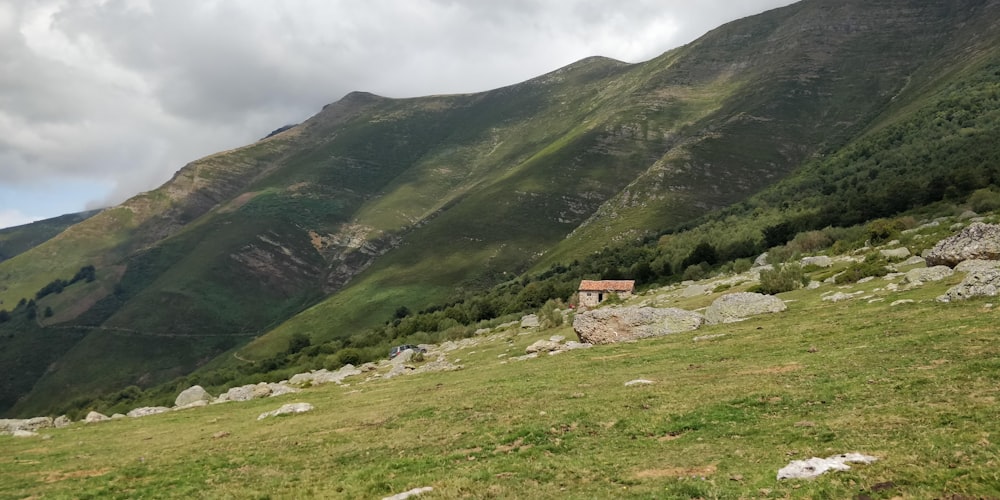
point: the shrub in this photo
(810, 241)
(696, 272)
(783, 279)
(873, 265)
(882, 230)
(984, 200)
(780, 255)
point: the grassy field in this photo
(915, 385)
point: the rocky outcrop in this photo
(192, 395)
(739, 306)
(978, 241)
(324, 376)
(978, 283)
(289, 409)
(254, 391)
(147, 411)
(924, 274)
(818, 261)
(12, 425)
(621, 324)
(543, 346)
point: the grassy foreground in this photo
(914, 384)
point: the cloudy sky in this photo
(103, 99)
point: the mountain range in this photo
(815, 114)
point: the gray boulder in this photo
(94, 417)
(543, 346)
(529, 321)
(967, 266)
(288, 409)
(620, 324)
(191, 395)
(761, 260)
(895, 253)
(818, 261)
(913, 261)
(925, 274)
(739, 306)
(62, 421)
(978, 283)
(808, 469)
(978, 241)
(147, 411)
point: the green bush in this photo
(873, 265)
(783, 279)
(984, 200)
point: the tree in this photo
(298, 342)
(48, 312)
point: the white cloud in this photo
(125, 92)
(11, 218)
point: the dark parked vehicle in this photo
(400, 348)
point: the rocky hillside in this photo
(891, 378)
(327, 228)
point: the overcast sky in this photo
(103, 99)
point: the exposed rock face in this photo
(288, 409)
(192, 394)
(818, 261)
(808, 469)
(147, 411)
(924, 274)
(94, 417)
(978, 283)
(620, 324)
(324, 376)
(739, 306)
(978, 241)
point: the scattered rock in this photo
(818, 261)
(895, 253)
(193, 404)
(808, 469)
(841, 296)
(968, 214)
(220, 435)
(287, 409)
(638, 381)
(543, 346)
(525, 357)
(979, 283)
(557, 338)
(146, 411)
(619, 324)
(813, 285)
(709, 337)
(761, 260)
(901, 302)
(117, 416)
(913, 261)
(921, 275)
(325, 376)
(739, 306)
(573, 345)
(21, 433)
(62, 421)
(411, 493)
(192, 394)
(978, 241)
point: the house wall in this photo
(593, 298)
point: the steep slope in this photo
(20, 239)
(378, 203)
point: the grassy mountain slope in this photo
(378, 203)
(19, 239)
(913, 384)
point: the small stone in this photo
(220, 435)
(638, 381)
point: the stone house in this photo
(594, 292)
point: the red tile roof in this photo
(607, 285)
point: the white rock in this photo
(808, 469)
(147, 411)
(925, 274)
(739, 306)
(529, 321)
(901, 302)
(895, 253)
(638, 381)
(192, 394)
(94, 416)
(288, 409)
(411, 493)
(543, 346)
(21, 433)
(818, 261)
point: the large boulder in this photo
(895, 253)
(967, 266)
(978, 283)
(619, 324)
(289, 409)
(925, 274)
(543, 346)
(818, 261)
(191, 395)
(147, 411)
(94, 417)
(739, 306)
(978, 241)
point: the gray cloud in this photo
(127, 91)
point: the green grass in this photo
(915, 385)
